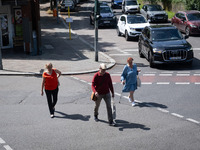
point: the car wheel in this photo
(150, 58)
(118, 32)
(187, 31)
(127, 36)
(140, 50)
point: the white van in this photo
(130, 6)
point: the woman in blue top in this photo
(129, 78)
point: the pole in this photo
(96, 31)
(1, 64)
(57, 10)
(69, 24)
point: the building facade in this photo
(20, 25)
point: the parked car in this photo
(154, 13)
(63, 7)
(130, 6)
(116, 4)
(163, 44)
(131, 25)
(187, 22)
(107, 16)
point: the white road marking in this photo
(146, 83)
(177, 115)
(167, 72)
(186, 72)
(115, 74)
(196, 49)
(2, 141)
(197, 83)
(162, 83)
(192, 120)
(163, 110)
(83, 81)
(120, 54)
(196, 74)
(148, 74)
(181, 75)
(182, 83)
(165, 75)
(7, 147)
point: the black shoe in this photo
(96, 118)
(112, 124)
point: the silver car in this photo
(154, 13)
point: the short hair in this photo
(48, 65)
(130, 58)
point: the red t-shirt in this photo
(51, 81)
(105, 84)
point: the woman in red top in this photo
(50, 83)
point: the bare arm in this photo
(42, 88)
(58, 72)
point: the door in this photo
(4, 31)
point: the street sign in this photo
(68, 3)
(69, 20)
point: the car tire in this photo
(187, 31)
(118, 32)
(140, 50)
(150, 59)
(127, 36)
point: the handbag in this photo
(93, 96)
(138, 81)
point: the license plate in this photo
(160, 17)
(175, 58)
(106, 21)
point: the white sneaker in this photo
(129, 99)
(133, 104)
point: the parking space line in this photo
(2, 141)
(192, 120)
(177, 115)
(162, 83)
(182, 83)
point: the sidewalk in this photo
(74, 56)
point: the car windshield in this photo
(128, 3)
(154, 8)
(192, 17)
(166, 35)
(136, 19)
(105, 10)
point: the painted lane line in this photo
(163, 110)
(148, 74)
(83, 81)
(196, 74)
(115, 74)
(2, 141)
(165, 75)
(89, 83)
(177, 115)
(75, 78)
(192, 120)
(181, 83)
(167, 72)
(162, 83)
(196, 49)
(146, 83)
(186, 72)
(117, 94)
(197, 83)
(181, 75)
(119, 54)
(7, 147)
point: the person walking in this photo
(129, 79)
(101, 86)
(50, 84)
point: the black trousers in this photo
(52, 102)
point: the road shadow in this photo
(72, 116)
(150, 104)
(122, 124)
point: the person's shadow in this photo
(122, 124)
(72, 116)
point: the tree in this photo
(193, 4)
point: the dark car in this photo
(116, 4)
(187, 22)
(154, 13)
(107, 16)
(63, 7)
(163, 44)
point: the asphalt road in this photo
(166, 115)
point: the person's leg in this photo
(96, 108)
(49, 100)
(55, 97)
(132, 98)
(107, 99)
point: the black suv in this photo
(164, 44)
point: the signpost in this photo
(1, 65)
(68, 4)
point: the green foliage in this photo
(170, 14)
(193, 4)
